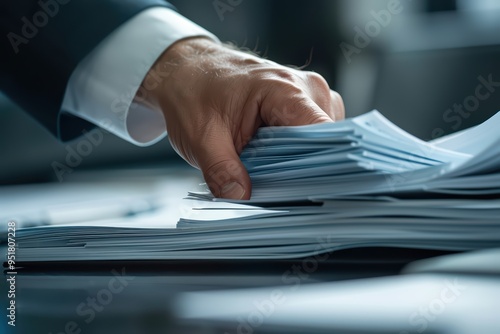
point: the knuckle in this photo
(317, 81)
(285, 74)
(336, 98)
(275, 75)
(338, 104)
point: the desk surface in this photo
(214, 296)
(199, 296)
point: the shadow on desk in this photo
(145, 297)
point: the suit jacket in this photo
(42, 42)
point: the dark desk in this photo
(195, 296)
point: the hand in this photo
(214, 98)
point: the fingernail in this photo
(233, 190)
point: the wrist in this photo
(163, 73)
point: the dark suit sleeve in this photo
(42, 42)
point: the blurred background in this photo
(431, 67)
(415, 61)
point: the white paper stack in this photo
(287, 232)
(369, 155)
(357, 183)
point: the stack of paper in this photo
(357, 183)
(287, 232)
(369, 155)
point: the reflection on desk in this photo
(256, 297)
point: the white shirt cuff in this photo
(102, 87)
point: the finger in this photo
(221, 166)
(292, 109)
(337, 108)
(319, 91)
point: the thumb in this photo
(222, 169)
